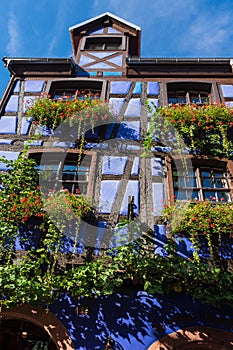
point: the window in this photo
(108, 43)
(75, 89)
(188, 92)
(201, 183)
(67, 174)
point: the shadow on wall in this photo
(134, 319)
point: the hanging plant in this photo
(81, 115)
(203, 129)
(49, 112)
(194, 219)
(25, 211)
(40, 277)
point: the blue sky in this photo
(181, 28)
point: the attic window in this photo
(104, 43)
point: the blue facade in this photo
(131, 317)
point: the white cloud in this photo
(58, 27)
(13, 47)
(209, 35)
(181, 28)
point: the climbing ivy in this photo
(202, 129)
(39, 275)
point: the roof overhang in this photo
(179, 67)
(38, 66)
(106, 14)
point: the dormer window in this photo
(108, 43)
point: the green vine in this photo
(194, 219)
(39, 276)
(203, 129)
(83, 114)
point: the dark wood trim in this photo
(43, 319)
(195, 338)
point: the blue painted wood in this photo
(102, 54)
(92, 134)
(116, 60)
(108, 193)
(227, 90)
(98, 31)
(85, 60)
(6, 142)
(33, 143)
(135, 319)
(157, 198)
(229, 103)
(64, 144)
(8, 125)
(25, 126)
(132, 189)
(28, 100)
(137, 88)
(153, 103)
(152, 88)
(116, 104)
(134, 108)
(120, 87)
(129, 130)
(136, 166)
(109, 130)
(9, 156)
(42, 130)
(17, 87)
(113, 165)
(112, 74)
(12, 104)
(156, 166)
(100, 65)
(113, 31)
(34, 85)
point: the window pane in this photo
(194, 195)
(196, 92)
(81, 94)
(220, 183)
(175, 181)
(181, 182)
(207, 182)
(191, 182)
(206, 179)
(210, 195)
(103, 43)
(69, 171)
(172, 100)
(180, 195)
(48, 171)
(181, 99)
(223, 196)
(194, 97)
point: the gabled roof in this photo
(109, 14)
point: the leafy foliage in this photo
(204, 129)
(194, 219)
(40, 276)
(51, 112)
